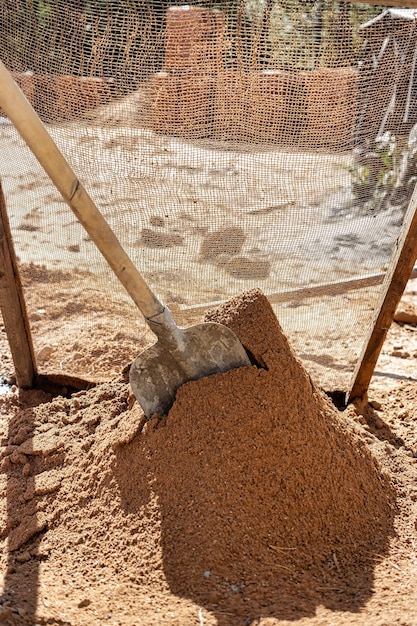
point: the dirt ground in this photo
(203, 220)
(254, 502)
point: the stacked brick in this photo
(74, 96)
(195, 96)
(26, 82)
(61, 98)
(330, 98)
(181, 104)
(255, 106)
(182, 94)
(194, 40)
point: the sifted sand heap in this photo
(259, 478)
(254, 496)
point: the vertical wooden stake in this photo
(12, 305)
(402, 262)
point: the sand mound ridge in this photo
(251, 497)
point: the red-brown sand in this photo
(251, 498)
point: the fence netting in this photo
(230, 145)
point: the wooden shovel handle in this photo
(34, 133)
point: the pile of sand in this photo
(253, 496)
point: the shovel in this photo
(180, 354)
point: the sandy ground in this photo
(90, 534)
(202, 221)
(96, 549)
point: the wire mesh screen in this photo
(230, 146)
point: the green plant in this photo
(374, 173)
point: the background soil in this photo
(254, 502)
(203, 220)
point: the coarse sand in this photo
(253, 497)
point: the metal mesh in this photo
(230, 146)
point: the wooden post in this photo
(409, 4)
(401, 265)
(12, 305)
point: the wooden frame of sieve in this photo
(13, 307)
(396, 278)
(404, 4)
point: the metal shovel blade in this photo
(180, 355)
